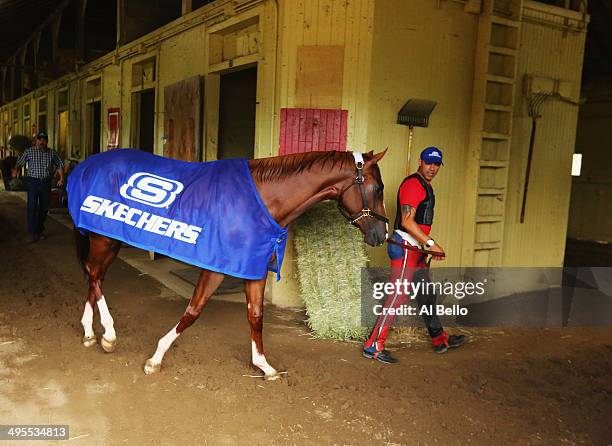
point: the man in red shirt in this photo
(415, 204)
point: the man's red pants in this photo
(415, 263)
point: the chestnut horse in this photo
(288, 186)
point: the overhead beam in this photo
(9, 65)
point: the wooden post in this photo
(3, 95)
(81, 6)
(22, 59)
(186, 6)
(410, 133)
(120, 14)
(11, 90)
(55, 28)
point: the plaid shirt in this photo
(42, 164)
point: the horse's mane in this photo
(280, 167)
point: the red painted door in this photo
(306, 130)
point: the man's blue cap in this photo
(432, 155)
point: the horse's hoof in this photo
(88, 341)
(108, 346)
(274, 376)
(151, 367)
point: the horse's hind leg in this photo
(255, 293)
(102, 252)
(208, 282)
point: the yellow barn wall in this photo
(75, 121)
(111, 98)
(30, 99)
(52, 124)
(267, 15)
(549, 52)
(393, 50)
(328, 23)
(423, 50)
(324, 23)
(178, 59)
(126, 99)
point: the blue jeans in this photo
(38, 204)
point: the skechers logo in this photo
(141, 220)
(151, 189)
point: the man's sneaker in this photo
(42, 236)
(32, 239)
(382, 355)
(456, 340)
(442, 343)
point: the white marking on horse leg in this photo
(260, 361)
(106, 320)
(153, 364)
(87, 322)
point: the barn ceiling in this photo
(18, 19)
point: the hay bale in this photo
(330, 256)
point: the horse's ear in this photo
(378, 156)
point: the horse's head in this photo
(361, 201)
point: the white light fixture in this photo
(576, 164)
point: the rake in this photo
(415, 113)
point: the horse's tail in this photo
(82, 246)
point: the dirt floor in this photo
(527, 387)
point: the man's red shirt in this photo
(411, 193)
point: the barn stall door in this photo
(307, 129)
(182, 111)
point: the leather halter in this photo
(360, 182)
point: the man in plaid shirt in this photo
(43, 163)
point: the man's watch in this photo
(430, 243)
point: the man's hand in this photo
(60, 173)
(15, 173)
(437, 249)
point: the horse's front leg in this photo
(208, 283)
(109, 338)
(103, 251)
(255, 294)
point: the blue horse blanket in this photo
(206, 214)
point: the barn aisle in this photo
(504, 387)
